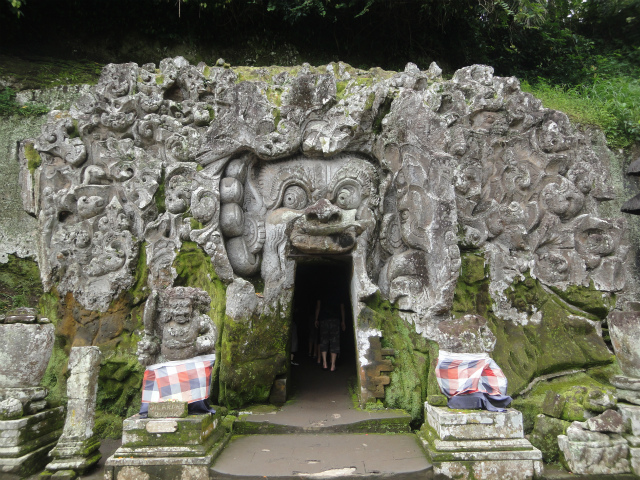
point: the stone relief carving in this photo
(176, 326)
(399, 171)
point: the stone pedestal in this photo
(478, 444)
(25, 442)
(78, 449)
(176, 448)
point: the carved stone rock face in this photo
(176, 326)
(397, 170)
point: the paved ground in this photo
(321, 399)
(322, 456)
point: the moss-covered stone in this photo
(410, 380)
(588, 299)
(559, 340)
(545, 436)
(251, 354)
(530, 407)
(33, 157)
(19, 284)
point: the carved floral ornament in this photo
(398, 170)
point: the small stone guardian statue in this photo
(176, 326)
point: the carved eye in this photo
(348, 197)
(295, 198)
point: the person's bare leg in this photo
(324, 360)
(333, 361)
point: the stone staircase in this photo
(321, 434)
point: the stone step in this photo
(393, 422)
(324, 455)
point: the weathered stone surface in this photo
(26, 442)
(493, 448)
(608, 422)
(24, 344)
(10, 409)
(468, 334)
(545, 436)
(176, 326)
(599, 400)
(553, 404)
(625, 336)
(594, 453)
(476, 425)
(398, 171)
(77, 447)
(630, 417)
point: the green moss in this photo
(368, 105)
(159, 79)
(531, 407)
(557, 342)
(276, 117)
(140, 291)
(410, 379)
(159, 195)
(32, 156)
(252, 353)
(588, 299)
(20, 284)
(341, 87)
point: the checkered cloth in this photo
(460, 373)
(184, 380)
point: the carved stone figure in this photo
(176, 326)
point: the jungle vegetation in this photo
(581, 56)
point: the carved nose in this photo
(324, 211)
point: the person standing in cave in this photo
(330, 318)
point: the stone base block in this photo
(513, 459)
(596, 458)
(170, 458)
(26, 442)
(28, 464)
(170, 437)
(478, 445)
(79, 456)
(27, 430)
(474, 424)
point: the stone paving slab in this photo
(322, 456)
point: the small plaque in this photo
(168, 409)
(162, 426)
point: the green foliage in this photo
(9, 106)
(611, 103)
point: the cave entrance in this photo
(318, 278)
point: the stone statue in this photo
(176, 326)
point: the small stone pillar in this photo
(77, 450)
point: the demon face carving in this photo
(299, 205)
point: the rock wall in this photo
(450, 197)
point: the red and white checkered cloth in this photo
(183, 380)
(459, 373)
